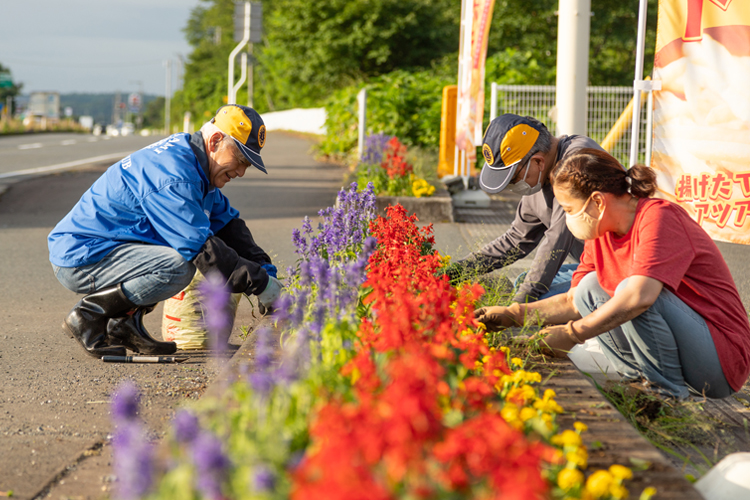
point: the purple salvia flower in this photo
(132, 453)
(283, 308)
(264, 352)
(125, 402)
(374, 148)
(263, 478)
(215, 298)
(186, 427)
(262, 383)
(211, 463)
(133, 461)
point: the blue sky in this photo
(93, 45)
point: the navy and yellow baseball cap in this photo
(246, 127)
(507, 140)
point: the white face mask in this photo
(582, 225)
(522, 187)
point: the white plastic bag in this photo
(182, 321)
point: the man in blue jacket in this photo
(138, 234)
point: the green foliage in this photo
(529, 29)
(153, 113)
(403, 51)
(313, 47)
(205, 80)
(403, 104)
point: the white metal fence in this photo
(605, 104)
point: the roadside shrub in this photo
(400, 103)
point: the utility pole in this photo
(116, 110)
(574, 24)
(168, 97)
(250, 74)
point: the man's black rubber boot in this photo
(87, 321)
(128, 330)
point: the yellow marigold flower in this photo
(548, 406)
(569, 478)
(579, 457)
(567, 438)
(527, 414)
(618, 491)
(549, 393)
(485, 358)
(421, 187)
(580, 426)
(517, 361)
(647, 493)
(509, 412)
(525, 392)
(621, 472)
(533, 377)
(506, 350)
(598, 483)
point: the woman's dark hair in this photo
(591, 170)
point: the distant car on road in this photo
(127, 129)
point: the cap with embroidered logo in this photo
(508, 139)
(245, 126)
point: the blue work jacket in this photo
(159, 195)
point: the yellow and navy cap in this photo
(245, 126)
(507, 140)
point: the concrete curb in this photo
(436, 208)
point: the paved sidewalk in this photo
(54, 399)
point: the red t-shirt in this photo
(665, 244)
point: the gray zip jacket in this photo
(539, 222)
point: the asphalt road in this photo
(54, 399)
(30, 151)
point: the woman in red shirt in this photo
(652, 285)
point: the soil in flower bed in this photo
(668, 443)
(610, 437)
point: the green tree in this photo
(153, 113)
(522, 46)
(313, 48)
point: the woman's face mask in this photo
(521, 187)
(582, 225)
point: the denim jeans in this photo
(148, 273)
(560, 283)
(669, 344)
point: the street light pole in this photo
(168, 97)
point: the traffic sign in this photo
(6, 80)
(134, 102)
(256, 21)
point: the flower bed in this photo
(384, 387)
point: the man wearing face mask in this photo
(139, 233)
(520, 153)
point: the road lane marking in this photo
(69, 142)
(64, 166)
(33, 145)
